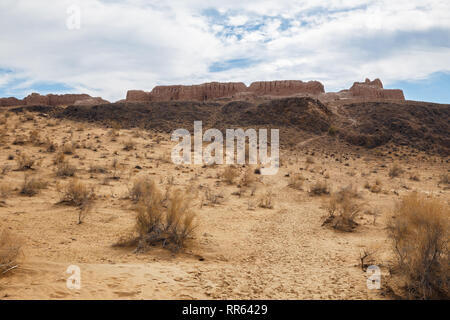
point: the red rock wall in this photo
(137, 96)
(36, 99)
(206, 91)
(374, 90)
(55, 99)
(286, 87)
(6, 102)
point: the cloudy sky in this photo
(137, 44)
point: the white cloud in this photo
(138, 44)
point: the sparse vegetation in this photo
(10, 250)
(32, 185)
(296, 181)
(229, 174)
(266, 200)
(170, 224)
(129, 145)
(395, 171)
(25, 162)
(65, 169)
(342, 211)
(77, 194)
(420, 234)
(319, 188)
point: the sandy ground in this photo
(240, 251)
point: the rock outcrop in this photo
(374, 90)
(55, 99)
(201, 92)
(8, 102)
(137, 96)
(217, 90)
(90, 102)
(286, 88)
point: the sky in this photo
(106, 47)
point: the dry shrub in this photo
(50, 145)
(229, 174)
(20, 140)
(420, 234)
(395, 171)
(10, 250)
(142, 188)
(129, 145)
(342, 211)
(248, 178)
(3, 136)
(24, 162)
(65, 169)
(444, 179)
(309, 160)
(414, 177)
(167, 222)
(347, 192)
(296, 181)
(77, 194)
(68, 148)
(32, 185)
(375, 188)
(98, 169)
(319, 188)
(35, 138)
(211, 197)
(117, 169)
(267, 200)
(59, 158)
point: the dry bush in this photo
(342, 211)
(414, 177)
(211, 197)
(117, 169)
(229, 174)
(59, 158)
(319, 188)
(20, 140)
(444, 179)
(65, 169)
(129, 145)
(170, 225)
(309, 160)
(77, 194)
(10, 250)
(50, 145)
(24, 162)
(143, 188)
(248, 178)
(420, 234)
(3, 136)
(266, 200)
(395, 171)
(32, 185)
(35, 138)
(98, 169)
(68, 148)
(296, 181)
(348, 192)
(375, 188)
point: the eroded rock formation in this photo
(7, 102)
(201, 92)
(216, 90)
(286, 88)
(374, 90)
(57, 99)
